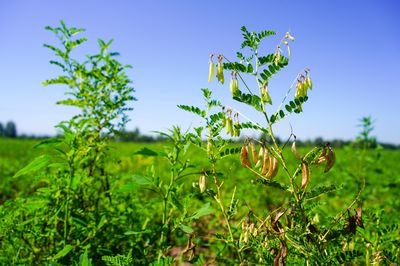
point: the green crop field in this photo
(211, 195)
(376, 171)
(381, 172)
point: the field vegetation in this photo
(205, 196)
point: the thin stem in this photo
(297, 246)
(341, 214)
(287, 93)
(182, 176)
(282, 159)
(218, 196)
(240, 76)
(164, 216)
(244, 116)
(66, 212)
(271, 133)
(218, 199)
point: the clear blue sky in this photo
(351, 47)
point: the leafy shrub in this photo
(72, 210)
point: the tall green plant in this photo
(290, 232)
(173, 203)
(76, 200)
(364, 137)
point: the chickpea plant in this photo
(289, 234)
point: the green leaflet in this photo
(146, 152)
(37, 164)
(203, 211)
(63, 252)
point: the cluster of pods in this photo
(263, 160)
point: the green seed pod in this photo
(229, 125)
(234, 86)
(304, 88)
(211, 71)
(301, 89)
(236, 129)
(308, 83)
(277, 56)
(223, 120)
(220, 71)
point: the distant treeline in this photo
(136, 136)
(339, 143)
(9, 130)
